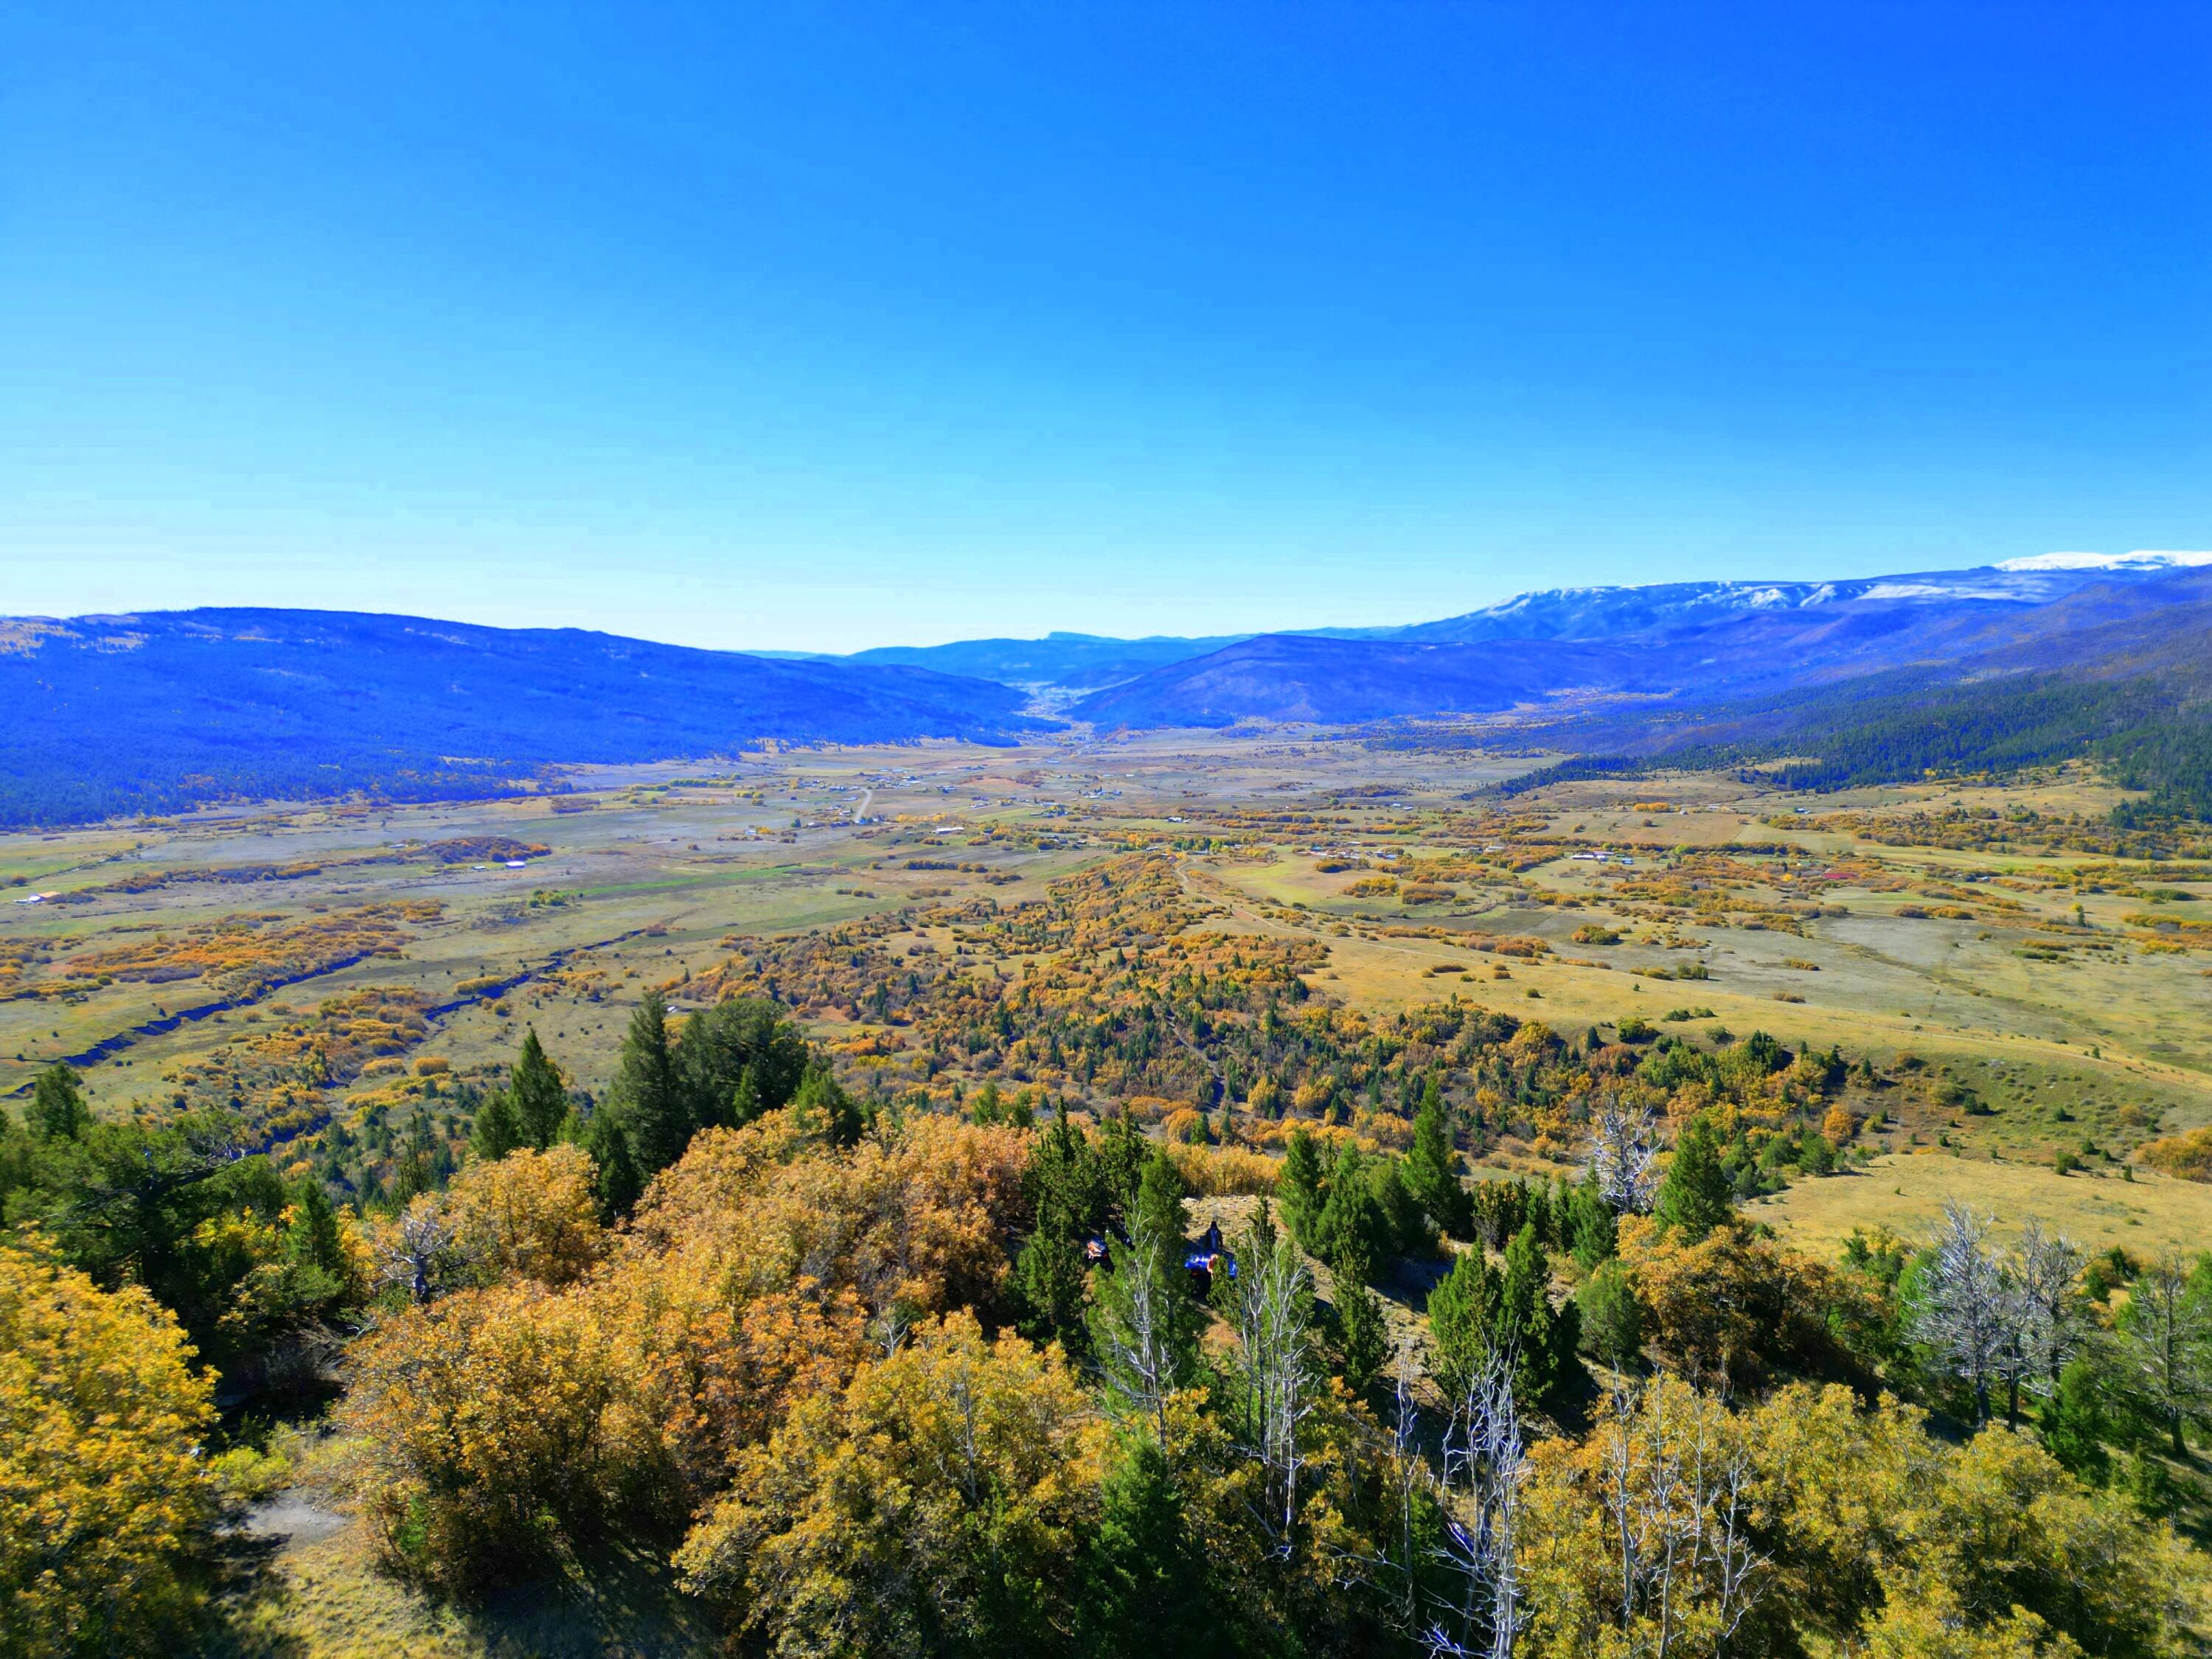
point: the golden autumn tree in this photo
(933, 1508)
(105, 1497)
(481, 1416)
(529, 1215)
(700, 1378)
(1807, 1523)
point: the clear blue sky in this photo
(820, 325)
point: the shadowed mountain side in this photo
(1296, 678)
(1604, 613)
(158, 711)
(1078, 662)
(1766, 652)
(2100, 675)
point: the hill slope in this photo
(155, 712)
(1702, 653)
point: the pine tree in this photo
(498, 1128)
(1353, 1233)
(719, 1045)
(1593, 1229)
(1464, 1320)
(1160, 1193)
(1361, 1334)
(540, 1098)
(1696, 1196)
(1067, 1192)
(1302, 1186)
(2074, 1424)
(1145, 1580)
(654, 1110)
(1525, 1316)
(746, 1098)
(1612, 1317)
(416, 1167)
(57, 1111)
(1052, 1281)
(617, 1184)
(823, 1100)
(1432, 1167)
(314, 1238)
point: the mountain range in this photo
(164, 710)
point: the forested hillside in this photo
(164, 711)
(2145, 717)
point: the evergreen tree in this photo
(539, 1099)
(1612, 1317)
(1432, 1167)
(1536, 1211)
(1119, 1153)
(1406, 1229)
(1302, 1186)
(422, 1163)
(1464, 1320)
(1146, 1590)
(498, 1128)
(1052, 1280)
(1526, 1319)
(722, 1044)
(823, 1100)
(1160, 1193)
(315, 1238)
(651, 1103)
(985, 1108)
(1592, 1226)
(1353, 1234)
(1696, 1196)
(2074, 1422)
(1361, 1334)
(57, 1111)
(617, 1184)
(745, 1098)
(1067, 1193)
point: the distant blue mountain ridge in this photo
(161, 711)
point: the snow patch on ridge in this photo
(2144, 559)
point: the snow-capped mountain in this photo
(2137, 561)
(1594, 613)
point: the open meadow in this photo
(1982, 995)
(335, 969)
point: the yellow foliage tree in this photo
(1840, 1124)
(481, 1415)
(529, 1215)
(700, 1378)
(105, 1497)
(933, 1507)
(921, 1218)
(1680, 1527)
(1733, 1302)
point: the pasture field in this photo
(2021, 994)
(328, 965)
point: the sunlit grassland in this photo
(668, 863)
(1905, 1193)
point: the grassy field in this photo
(2147, 1216)
(2021, 1002)
(2024, 981)
(2024, 974)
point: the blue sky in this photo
(819, 326)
